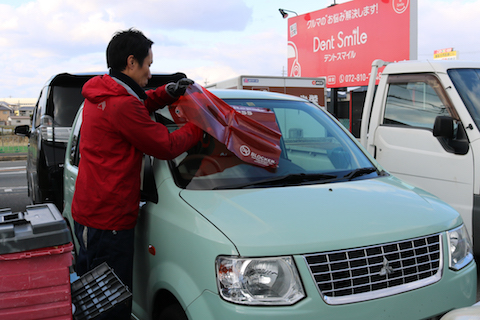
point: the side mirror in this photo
(443, 127)
(339, 158)
(453, 141)
(23, 130)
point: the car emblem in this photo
(386, 269)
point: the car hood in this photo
(304, 219)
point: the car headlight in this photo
(460, 248)
(259, 281)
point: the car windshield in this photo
(467, 83)
(314, 149)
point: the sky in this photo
(209, 40)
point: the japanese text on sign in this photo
(345, 15)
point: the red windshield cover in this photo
(250, 133)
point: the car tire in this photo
(173, 312)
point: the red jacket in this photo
(116, 131)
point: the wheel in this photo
(173, 312)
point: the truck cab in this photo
(423, 127)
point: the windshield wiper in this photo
(288, 180)
(359, 172)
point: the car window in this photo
(302, 136)
(312, 144)
(39, 107)
(415, 101)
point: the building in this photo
(18, 108)
(18, 120)
(20, 101)
(5, 112)
(25, 111)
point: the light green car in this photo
(327, 235)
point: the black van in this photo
(48, 134)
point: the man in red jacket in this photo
(116, 131)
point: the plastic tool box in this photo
(35, 256)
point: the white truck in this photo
(422, 125)
(313, 89)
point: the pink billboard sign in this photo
(341, 41)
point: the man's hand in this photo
(178, 89)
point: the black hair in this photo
(126, 43)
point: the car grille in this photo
(366, 273)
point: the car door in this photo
(70, 172)
(406, 147)
(34, 147)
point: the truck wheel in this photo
(173, 312)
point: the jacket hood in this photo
(305, 219)
(99, 88)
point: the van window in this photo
(38, 113)
(66, 102)
(415, 101)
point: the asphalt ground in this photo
(13, 156)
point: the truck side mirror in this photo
(453, 141)
(23, 130)
(443, 127)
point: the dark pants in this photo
(116, 249)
